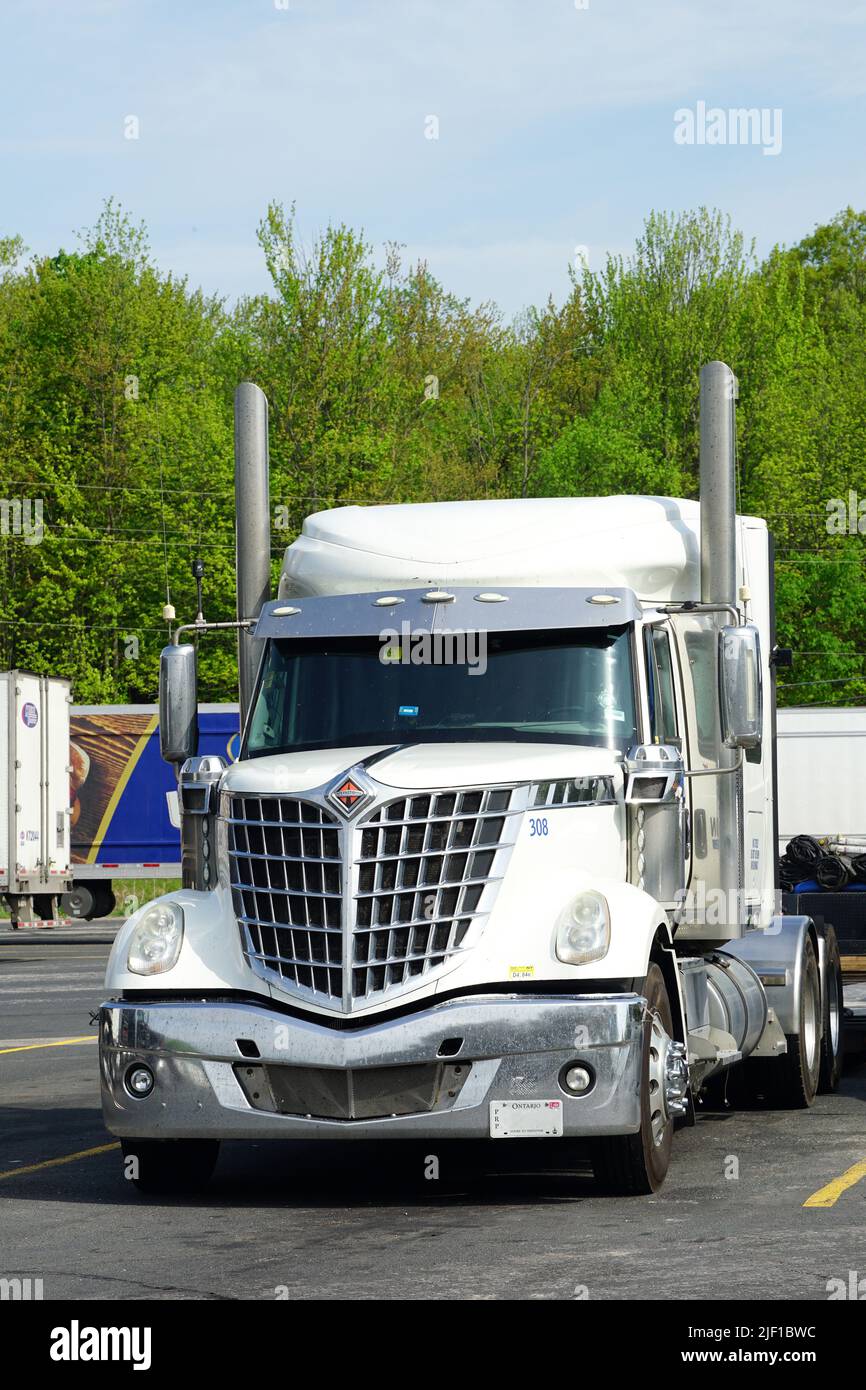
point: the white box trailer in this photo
(34, 793)
(822, 772)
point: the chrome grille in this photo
(287, 887)
(574, 791)
(424, 865)
(343, 912)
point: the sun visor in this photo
(455, 609)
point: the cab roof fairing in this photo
(517, 610)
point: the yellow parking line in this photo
(56, 1162)
(827, 1196)
(60, 1042)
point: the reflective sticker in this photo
(410, 711)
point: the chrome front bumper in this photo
(511, 1048)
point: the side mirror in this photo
(740, 686)
(178, 703)
(653, 774)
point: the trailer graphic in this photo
(124, 798)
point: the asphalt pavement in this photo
(504, 1220)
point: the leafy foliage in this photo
(116, 385)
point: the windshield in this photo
(564, 687)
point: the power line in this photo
(276, 547)
(228, 491)
(836, 680)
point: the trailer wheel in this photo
(637, 1164)
(831, 1033)
(104, 900)
(164, 1166)
(78, 902)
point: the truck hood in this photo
(422, 766)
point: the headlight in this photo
(583, 930)
(155, 944)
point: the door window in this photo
(660, 685)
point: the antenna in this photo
(197, 568)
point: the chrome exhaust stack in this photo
(719, 392)
(252, 526)
(718, 495)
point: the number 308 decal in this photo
(537, 826)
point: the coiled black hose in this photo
(834, 872)
(806, 853)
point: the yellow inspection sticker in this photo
(521, 972)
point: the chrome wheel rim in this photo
(835, 1012)
(809, 1024)
(659, 1118)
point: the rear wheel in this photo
(790, 1082)
(104, 901)
(831, 1036)
(164, 1166)
(78, 902)
(633, 1164)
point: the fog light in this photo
(577, 1079)
(139, 1080)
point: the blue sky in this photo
(556, 125)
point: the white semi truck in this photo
(497, 858)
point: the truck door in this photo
(665, 848)
(716, 884)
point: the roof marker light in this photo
(284, 612)
(603, 598)
(491, 598)
(387, 602)
(438, 596)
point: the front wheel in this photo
(635, 1164)
(165, 1166)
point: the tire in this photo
(43, 906)
(166, 1166)
(78, 902)
(831, 1032)
(791, 1082)
(637, 1164)
(104, 900)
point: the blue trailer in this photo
(123, 798)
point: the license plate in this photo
(525, 1119)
